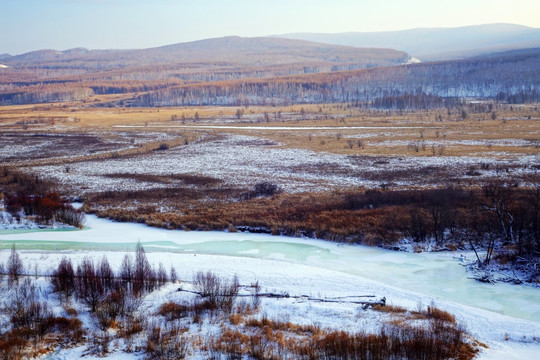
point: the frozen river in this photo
(438, 275)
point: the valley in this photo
(274, 198)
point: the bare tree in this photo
(112, 306)
(208, 285)
(89, 288)
(257, 296)
(173, 277)
(221, 294)
(127, 269)
(498, 197)
(228, 294)
(14, 267)
(143, 272)
(106, 274)
(150, 279)
(239, 113)
(63, 279)
(27, 312)
(162, 275)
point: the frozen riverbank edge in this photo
(508, 337)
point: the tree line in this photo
(506, 78)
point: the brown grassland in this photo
(386, 133)
(491, 132)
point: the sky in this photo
(27, 25)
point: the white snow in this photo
(246, 160)
(8, 222)
(313, 268)
(413, 60)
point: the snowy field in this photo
(17, 146)
(245, 160)
(305, 267)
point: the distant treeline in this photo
(522, 97)
(414, 101)
(512, 79)
(486, 78)
(45, 94)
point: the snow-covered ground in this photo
(65, 146)
(308, 267)
(267, 128)
(8, 222)
(246, 160)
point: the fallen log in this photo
(285, 295)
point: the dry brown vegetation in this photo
(271, 339)
(36, 198)
(240, 328)
(436, 132)
(373, 217)
(258, 71)
(495, 133)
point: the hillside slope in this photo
(231, 49)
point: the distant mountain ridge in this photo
(437, 43)
(74, 74)
(231, 49)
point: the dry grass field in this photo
(474, 138)
(336, 128)
(197, 168)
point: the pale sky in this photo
(27, 25)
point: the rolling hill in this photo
(257, 51)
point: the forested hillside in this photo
(256, 71)
(48, 75)
(508, 76)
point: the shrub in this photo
(70, 328)
(12, 346)
(165, 343)
(207, 285)
(389, 309)
(221, 294)
(438, 314)
(68, 215)
(113, 305)
(264, 189)
(173, 311)
(235, 319)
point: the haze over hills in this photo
(437, 43)
(260, 51)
